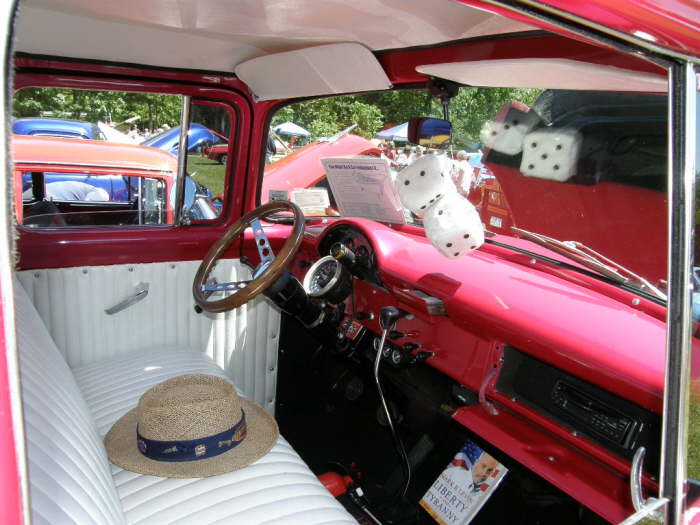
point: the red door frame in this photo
(122, 245)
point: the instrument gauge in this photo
(329, 279)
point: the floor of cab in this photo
(328, 407)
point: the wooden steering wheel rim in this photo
(269, 276)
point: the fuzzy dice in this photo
(507, 132)
(453, 226)
(550, 154)
(422, 183)
(451, 222)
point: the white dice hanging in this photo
(506, 135)
(422, 183)
(453, 226)
(551, 154)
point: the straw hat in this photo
(191, 426)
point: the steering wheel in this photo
(264, 275)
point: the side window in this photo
(208, 157)
(106, 158)
(56, 199)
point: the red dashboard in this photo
(493, 300)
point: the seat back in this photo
(72, 303)
(69, 474)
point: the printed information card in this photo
(363, 187)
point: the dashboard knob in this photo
(343, 254)
(396, 357)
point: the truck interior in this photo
(527, 317)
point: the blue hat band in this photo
(196, 449)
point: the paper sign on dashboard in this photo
(363, 187)
(312, 201)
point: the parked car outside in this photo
(89, 183)
(199, 137)
(303, 169)
(50, 127)
(217, 152)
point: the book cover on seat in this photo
(464, 486)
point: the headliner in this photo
(217, 35)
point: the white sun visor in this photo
(321, 70)
(545, 73)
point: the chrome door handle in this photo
(644, 508)
(139, 295)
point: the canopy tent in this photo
(399, 133)
(289, 128)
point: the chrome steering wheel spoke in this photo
(232, 286)
(263, 245)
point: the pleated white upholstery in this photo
(72, 303)
(70, 479)
(278, 488)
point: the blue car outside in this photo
(51, 127)
(198, 137)
(120, 188)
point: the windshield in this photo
(580, 166)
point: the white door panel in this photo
(72, 303)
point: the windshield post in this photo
(182, 159)
(681, 213)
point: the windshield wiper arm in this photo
(589, 258)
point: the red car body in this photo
(58, 155)
(216, 152)
(303, 168)
(586, 327)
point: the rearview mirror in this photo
(430, 132)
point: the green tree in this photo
(469, 111)
(473, 107)
(327, 116)
(152, 109)
(399, 106)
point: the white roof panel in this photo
(219, 34)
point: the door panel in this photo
(72, 303)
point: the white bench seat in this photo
(277, 488)
(71, 481)
(111, 388)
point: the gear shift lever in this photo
(388, 316)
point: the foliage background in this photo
(469, 110)
(323, 117)
(106, 106)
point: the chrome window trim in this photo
(681, 213)
(182, 160)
